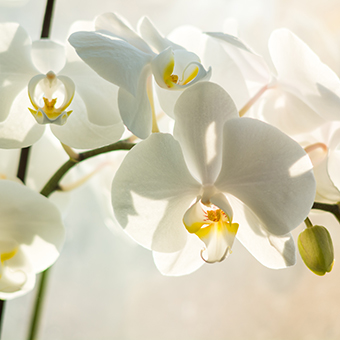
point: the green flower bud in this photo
(316, 249)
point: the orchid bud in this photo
(316, 249)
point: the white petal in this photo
(117, 25)
(115, 60)
(252, 66)
(303, 74)
(48, 56)
(135, 111)
(99, 96)
(272, 251)
(20, 128)
(153, 37)
(267, 171)
(16, 67)
(151, 192)
(182, 262)
(32, 221)
(18, 277)
(287, 112)
(200, 114)
(79, 132)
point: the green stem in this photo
(53, 184)
(332, 208)
(308, 223)
(38, 305)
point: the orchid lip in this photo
(44, 92)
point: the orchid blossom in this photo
(218, 178)
(31, 235)
(39, 85)
(121, 56)
(302, 92)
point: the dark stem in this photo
(46, 27)
(332, 208)
(2, 310)
(23, 163)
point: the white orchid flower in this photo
(39, 85)
(31, 235)
(121, 56)
(303, 92)
(221, 176)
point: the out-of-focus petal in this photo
(302, 73)
(115, 60)
(16, 67)
(151, 191)
(48, 56)
(153, 37)
(182, 262)
(267, 171)
(200, 114)
(20, 128)
(287, 112)
(120, 28)
(33, 222)
(252, 66)
(272, 251)
(79, 132)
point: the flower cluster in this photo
(233, 158)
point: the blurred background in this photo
(106, 287)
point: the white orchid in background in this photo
(31, 235)
(303, 92)
(220, 176)
(56, 86)
(121, 56)
(323, 148)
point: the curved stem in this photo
(332, 208)
(53, 184)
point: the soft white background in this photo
(106, 287)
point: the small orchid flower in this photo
(121, 56)
(31, 235)
(218, 178)
(39, 84)
(302, 93)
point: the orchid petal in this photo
(99, 96)
(115, 60)
(20, 129)
(16, 67)
(267, 171)
(287, 112)
(48, 56)
(252, 66)
(136, 110)
(151, 191)
(79, 132)
(182, 262)
(302, 73)
(272, 251)
(120, 28)
(200, 114)
(18, 278)
(33, 222)
(153, 37)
